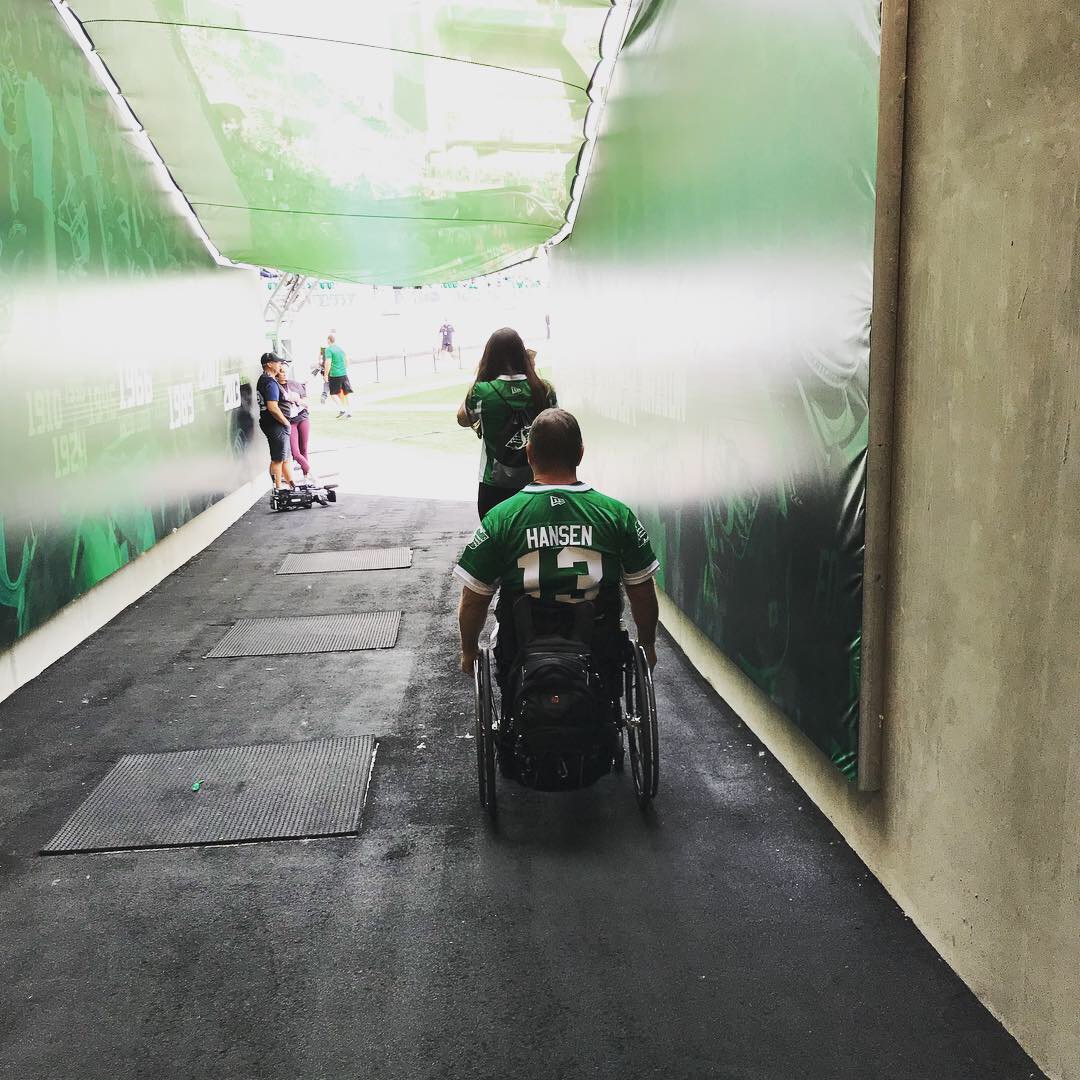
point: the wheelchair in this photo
(302, 496)
(559, 722)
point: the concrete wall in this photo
(976, 830)
(981, 823)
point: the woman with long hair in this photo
(294, 398)
(503, 401)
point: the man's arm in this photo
(274, 409)
(472, 614)
(646, 613)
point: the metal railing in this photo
(441, 360)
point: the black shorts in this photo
(488, 496)
(278, 438)
(340, 383)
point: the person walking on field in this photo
(337, 374)
(319, 368)
(446, 333)
(501, 405)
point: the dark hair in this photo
(555, 439)
(505, 354)
(271, 358)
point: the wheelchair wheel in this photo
(641, 728)
(485, 738)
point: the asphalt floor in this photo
(727, 933)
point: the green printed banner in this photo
(124, 351)
(713, 328)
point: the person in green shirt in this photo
(505, 398)
(337, 374)
(561, 542)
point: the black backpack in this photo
(510, 469)
(563, 734)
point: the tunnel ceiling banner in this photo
(388, 142)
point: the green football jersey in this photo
(336, 356)
(557, 542)
(493, 403)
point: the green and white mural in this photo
(125, 352)
(714, 328)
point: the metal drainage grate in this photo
(281, 636)
(238, 793)
(324, 562)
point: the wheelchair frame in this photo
(302, 497)
(636, 721)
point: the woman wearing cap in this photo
(273, 423)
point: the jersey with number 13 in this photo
(558, 542)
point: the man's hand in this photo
(274, 409)
(468, 661)
(646, 613)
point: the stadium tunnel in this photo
(864, 858)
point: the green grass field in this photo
(450, 396)
(437, 431)
(432, 430)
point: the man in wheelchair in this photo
(559, 554)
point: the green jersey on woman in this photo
(505, 409)
(562, 542)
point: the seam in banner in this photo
(336, 41)
(376, 217)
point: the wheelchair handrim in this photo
(485, 743)
(642, 731)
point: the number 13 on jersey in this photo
(547, 568)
